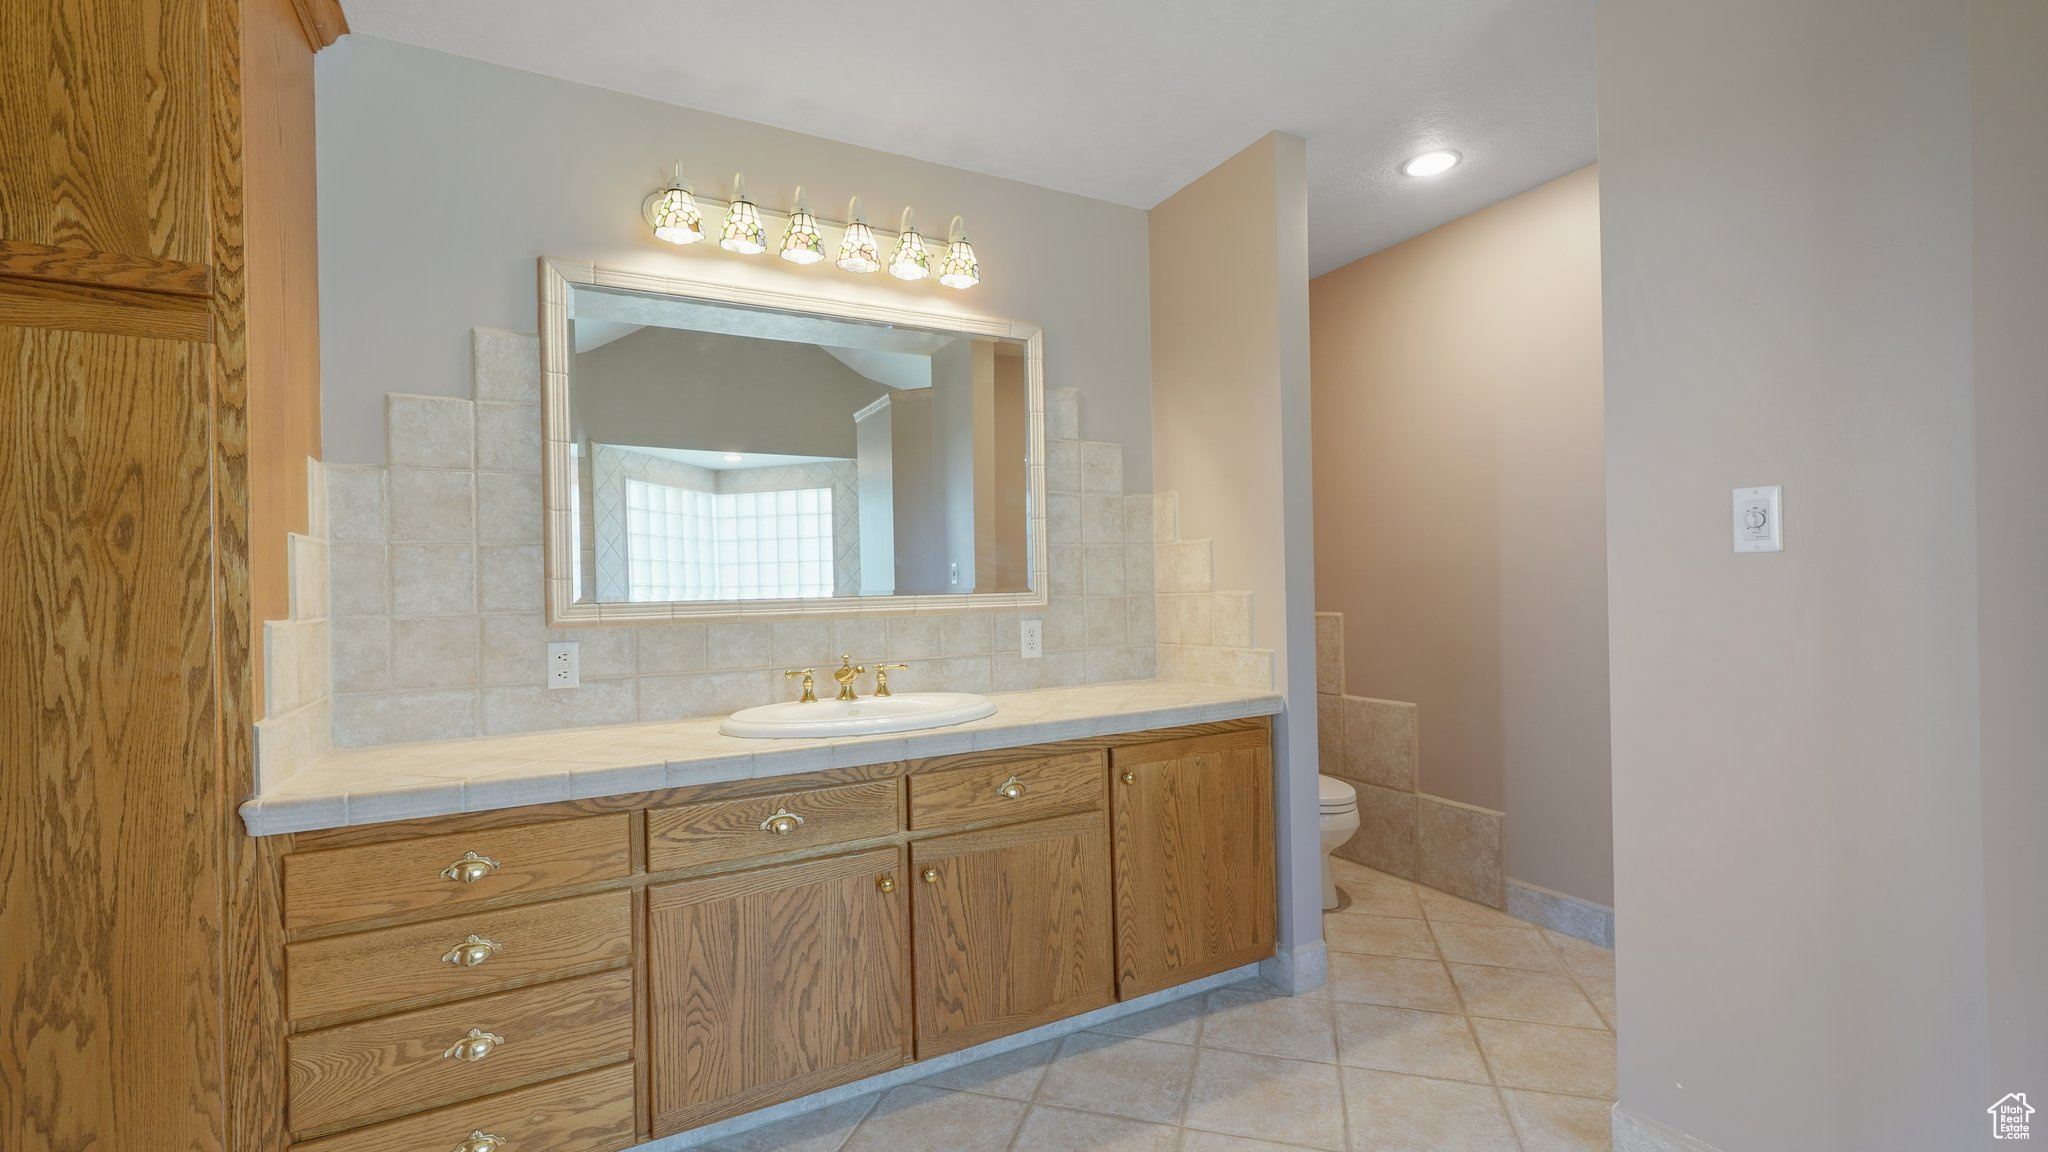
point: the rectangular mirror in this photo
(712, 451)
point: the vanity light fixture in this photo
(802, 243)
(1431, 163)
(858, 251)
(911, 261)
(744, 233)
(959, 269)
(673, 212)
(733, 457)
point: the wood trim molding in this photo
(116, 311)
(323, 21)
(23, 260)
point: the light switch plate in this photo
(1760, 519)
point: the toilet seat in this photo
(1334, 795)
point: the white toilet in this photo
(1338, 820)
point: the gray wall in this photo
(1817, 852)
(442, 179)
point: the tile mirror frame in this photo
(559, 549)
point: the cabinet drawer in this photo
(590, 1112)
(721, 831)
(338, 885)
(472, 952)
(1018, 789)
(408, 1061)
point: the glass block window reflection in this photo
(683, 544)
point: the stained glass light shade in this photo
(676, 218)
(959, 269)
(803, 243)
(744, 231)
(858, 251)
(911, 261)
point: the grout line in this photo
(873, 1098)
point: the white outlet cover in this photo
(1759, 519)
(565, 664)
(1031, 639)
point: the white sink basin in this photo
(867, 716)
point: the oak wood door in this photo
(771, 984)
(1195, 884)
(1011, 929)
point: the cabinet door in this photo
(1012, 929)
(1195, 889)
(770, 984)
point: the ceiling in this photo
(1121, 100)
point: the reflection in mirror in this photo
(727, 453)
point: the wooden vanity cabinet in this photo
(1012, 929)
(1196, 890)
(769, 984)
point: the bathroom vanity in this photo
(588, 974)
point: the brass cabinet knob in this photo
(782, 823)
(1011, 789)
(887, 884)
(472, 952)
(1130, 777)
(473, 1047)
(480, 1141)
(471, 868)
(931, 875)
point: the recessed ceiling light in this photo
(733, 457)
(1431, 164)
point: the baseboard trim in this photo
(923, 1069)
(1633, 1133)
(1296, 970)
(1561, 913)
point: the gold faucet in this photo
(846, 674)
(882, 677)
(809, 696)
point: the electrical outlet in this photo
(1032, 640)
(565, 665)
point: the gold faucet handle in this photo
(810, 695)
(882, 677)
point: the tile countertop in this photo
(410, 781)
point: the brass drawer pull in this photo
(472, 952)
(1011, 789)
(1130, 777)
(471, 868)
(782, 823)
(473, 1047)
(480, 1141)
(886, 884)
(931, 875)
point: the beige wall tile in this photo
(1102, 467)
(361, 654)
(1459, 849)
(804, 644)
(429, 431)
(1062, 466)
(355, 503)
(1144, 620)
(434, 652)
(308, 576)
(504, 366)
(967, 634)
(510, 578)
(1379, 742)
(1386, 832)
(1140, 569)
(532, 708)
(914, 638)
(359, 579)
(1231, 618)
(508, 437)
(1063, 518)
(1138, 515)
(670, 648)
(281, 666)
(1330, 735)
(1330, 652)
(1067, 572)
(433, 579)
(395, 718)
(689, 696)
(739, 644)
(1102, 570)
(515, 649)
(508, 508)
(1108, 621)
(431, 506)
(1167, 612)
(1062, 414)
(1102, 518)
(1165, 517)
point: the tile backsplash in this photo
(437, 629)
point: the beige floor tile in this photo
(1513, 994)
(1600, 990)
(1376, 893)
(1394, 1113)
(1395, 981)
(1249, 1020)
(1194, 1141)
(1560, 1123)
(1119, 1076)
(1268, 1098)
(1498, 946)
(1549, 1058)
(1378, 935)
(1582, 957)
(821, 1131)
(1175, 1023)
(1012, 1074)
(1059, 1130)
(1403, 1040)
(1458, 910)
(914, 1118)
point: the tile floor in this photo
(1446, 1027)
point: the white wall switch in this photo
(565, 665)
(1032, 641)
(1759, 519)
